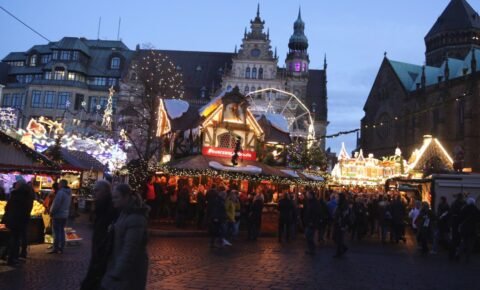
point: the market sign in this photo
(228, 153)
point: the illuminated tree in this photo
(151, 76)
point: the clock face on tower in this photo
(255, 52)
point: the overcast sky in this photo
(354, 34)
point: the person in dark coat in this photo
(341, 223)
(17, 214)
(127, 265)
(311, 218)
(454, 215)
(424, 225)
(469, 219)
(105, 215)
(201, 206)
(183, 203)
(398, 212)
(442, 229)
(217, 218)
(30, 198)
(255, 216)
(285, 209)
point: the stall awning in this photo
(201, 162)
(18, 157)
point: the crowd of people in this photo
(119, 257)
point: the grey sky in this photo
(354, 34)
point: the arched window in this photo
(247, 73)
(254, 73)
(59, 73)
(227, 140)
(115, 63)
(229, 88)
(247, 89)
(253, 89)
(260, 73)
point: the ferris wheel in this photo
(284, 110)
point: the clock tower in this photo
(254, 65)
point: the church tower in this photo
(254, 66)
(297, 61)
(297, 58)
(454, 34)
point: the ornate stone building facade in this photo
(408, 101)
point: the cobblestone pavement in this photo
(188, 263)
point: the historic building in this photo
(70, 77)
(441, 98)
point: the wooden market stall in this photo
(17, 159)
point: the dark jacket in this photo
(256, 211)
(102, 242)
(398, 211)
(311, 215)
(128, 263)
(285, 209)
(218, 213)
(469, 218)
(17, 210)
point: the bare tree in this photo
(151, 76)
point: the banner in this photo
(228, 153)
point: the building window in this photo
(247, 73)
(198, 68)
(36, 99)
(55, 54)
(112, 82)
(6, 100)
(229, 88)
(115, 63)
(28, 78)
(46, 58)
(49, 100)
(252, 89)
(16, 63)
(63, 98)
(33, 60)
(59, 73)
(48, 75)
(75, 55)
(298, 66)
(17, 100)
(260, 73)
(254, 73)
(71, 76)
(65, 55)
(98, 81)
(20, 79)
(227, 140)
(247, 89)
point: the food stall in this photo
(17, 160)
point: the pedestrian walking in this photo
(127, 265)
(424, 225)
(455, 220)
(102, 239)
(59, 213)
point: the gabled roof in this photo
(273, 134)
(80, 160)
(406, 72)
(15, 56)
(458, 15)
(16, 156)
(72, 43)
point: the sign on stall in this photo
(228, 153)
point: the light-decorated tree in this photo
(151, 77)
(301, 156)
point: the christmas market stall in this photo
(224, 143)
(368, 172)
(20, 161)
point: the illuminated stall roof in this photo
(431, 150)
